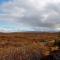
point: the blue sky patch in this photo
(3, 1)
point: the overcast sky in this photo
(29, 15)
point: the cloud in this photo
(32, 15)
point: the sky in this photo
(29, 15)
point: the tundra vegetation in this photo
(28, 46)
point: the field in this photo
(28, 45)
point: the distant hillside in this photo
(31, 35)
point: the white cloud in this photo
(32, 14)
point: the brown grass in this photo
(26, 46)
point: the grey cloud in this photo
(34, 17)
(54, 13)
(53, 7)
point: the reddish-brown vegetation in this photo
(27, 46)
